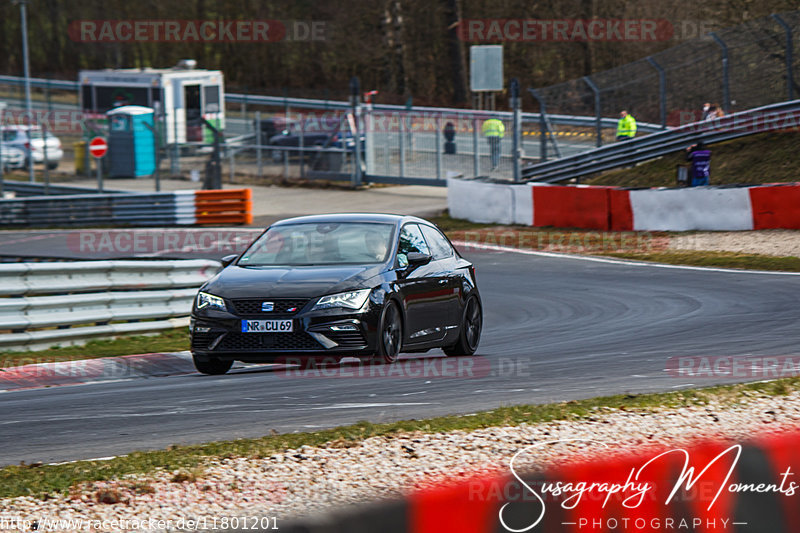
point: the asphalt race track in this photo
(556, 328)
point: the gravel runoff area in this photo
(778, 242)
(311, 480)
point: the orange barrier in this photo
(229, 206)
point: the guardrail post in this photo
(662, 91)
(516, 124)
(789, 74)
(597, 110)
(726, 90)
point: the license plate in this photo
(266, 326)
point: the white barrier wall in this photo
(696, 208)
(478, 201)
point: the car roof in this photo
(384, 218)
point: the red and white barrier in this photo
(615, 209)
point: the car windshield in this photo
(328, 243)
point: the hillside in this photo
(764, 158)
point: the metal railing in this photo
(759, 120)
(44, 304)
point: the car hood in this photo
(296, 282)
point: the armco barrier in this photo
(43, 304)
(707, 487)
(232, 206)
(610, 208)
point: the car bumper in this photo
(53, 155)
(327, 332)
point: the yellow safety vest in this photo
(493, 128)
(626, 127)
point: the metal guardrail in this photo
(754, 121)
(93, 209)
(42, 304)
(24, 189)
(228, 206)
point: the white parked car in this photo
(30, 138)
(11, 157)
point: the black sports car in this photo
(334, 286)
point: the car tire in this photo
(469, 334)
(212, 367)
(390, 336)
(52, 166)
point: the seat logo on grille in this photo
(267, 307)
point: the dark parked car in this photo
(331, 286)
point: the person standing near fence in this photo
(494, 130)
(700, 156)
(626, 127)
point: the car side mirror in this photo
(228, 259)
(416, 259)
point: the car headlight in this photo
(349, 300)
(209, 300)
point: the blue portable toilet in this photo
(131, 145)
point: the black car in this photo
(334, 286)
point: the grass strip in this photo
(43, 480)
(715, 259)
(173, 340)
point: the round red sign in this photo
(98, 147)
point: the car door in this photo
(421, 290)
(445, 270)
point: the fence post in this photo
(402, 146)
(258, 144)
(175, 160)
(662, 90)
(598, 117)
(788, 54)
(542, 124)
(2, 109)
(354, 101)
(437, 134)
(515, 147)
(302, 144)
(726, 90)
(476, 156)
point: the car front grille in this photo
(245, 342)
(200, 341)
(281, 306)
(346, 339)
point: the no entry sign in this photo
(98, 147)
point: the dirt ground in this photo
(777, 242)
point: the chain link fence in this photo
(739, 68)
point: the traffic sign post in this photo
(98, 147)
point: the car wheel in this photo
(390, 336)
(212, 367)
(52, 166)
(470, 334)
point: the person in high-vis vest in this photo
(626, 127)
(494, 130)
